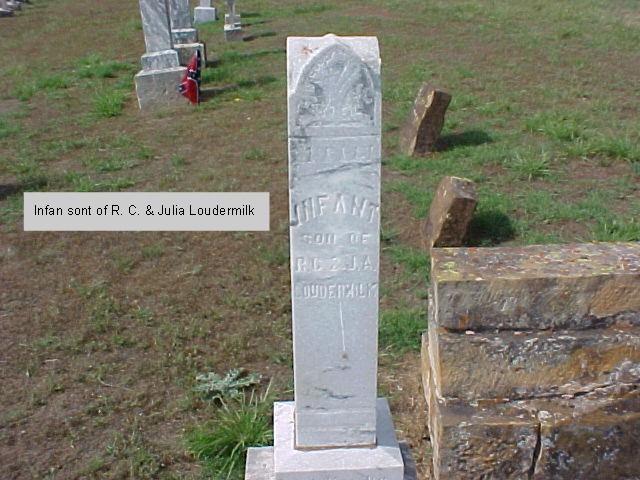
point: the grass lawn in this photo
(104, 334)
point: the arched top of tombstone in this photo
(336, 89)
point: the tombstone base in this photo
(188, 50)
(204, 15)
(159, 60)
(5, 13)
(284, 462)
(232, 19)
(233, 33)
(159, 88)
(184, 35)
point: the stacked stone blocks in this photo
(531, 364)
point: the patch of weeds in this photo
(412, 259)
(113, 163)
(153, 251)
(400, 329)
(561, 126)
(256, 154)
(24, 91)
(419, 197)
(215, 387)
(8, 128)
(178, 161)
(94, 66)
(218, 74)
(83, 183)
(221, 445)
(109, 103)
(133, 458)
(11, 209)
(613, 147)
(617, 230)
(530, 166)
(275, 255)
(53, 82)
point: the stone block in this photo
(384, 461)
(231, 19)
(204, 15)
(233, 33)
(260, 463)
(575, 286)
(184, 36)
(159, 88)
(593, 440)
(451, 212)
(180, 16)
(160, 60)
(187, 51)
(420, 133)
(511, 365)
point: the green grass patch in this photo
(109, 103)
(94, 66)
(412, 259)
(400, 329)
(221, 444)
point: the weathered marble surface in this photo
(184, 35)
(156, 26)
(233, 33)
(334, 186)
(260, 463)
(160, 60)
(421, 131)
(187, 51)
(384, 461)
(450, 213)
(538, 287)
(204, 14)
(159, 88)
(180, 15)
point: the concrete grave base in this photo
(386, 461)
(159, 88)
(160, 60)
(5, 13)
(204, 15)
(188, 50)
(233, 33)
(184, 35)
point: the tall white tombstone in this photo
(336, 429)
(157, 83)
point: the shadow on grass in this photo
(209, 93)
(257, 22)
(240, 56)
(255, 36)
(250, 14)
(488, 228)
(464, 139)
(8, 190)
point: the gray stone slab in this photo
(187, 51)
(159, 88)
(160, 60)
(205, 4)
(180, 14)
(384, 461)
(184, 35)
(232, 19)
(260, 463)
(334, 185)
(155, 24)
(204, 15)
(233, 33)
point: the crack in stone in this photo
(537, 451)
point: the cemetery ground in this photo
(103, 334)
